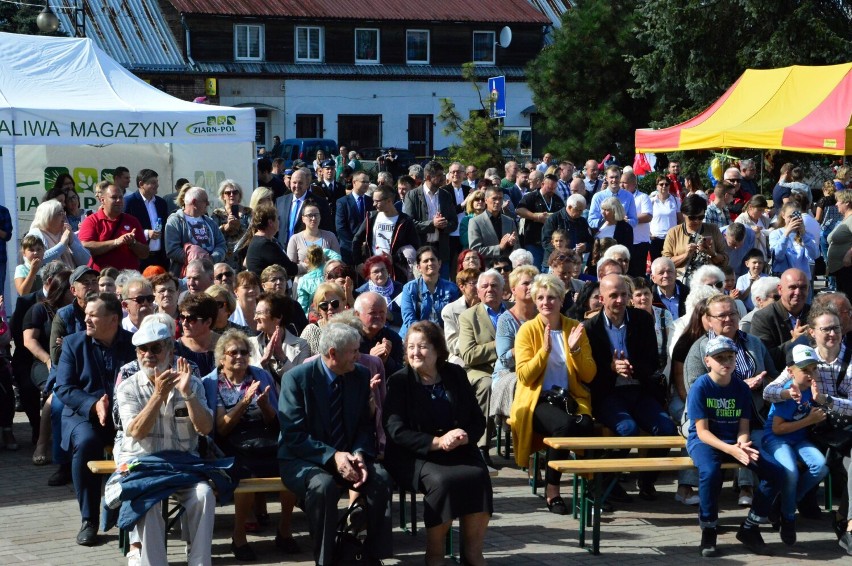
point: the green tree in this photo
(695, 49)
(480, 143)
(16, 18)
(581, 82)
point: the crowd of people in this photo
(348, 336)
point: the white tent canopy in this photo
(68, 92)
(58, 91)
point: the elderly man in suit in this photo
(152, 211)
(785, 320)
(290, 207)
(328, 443)
(667, 290)
(85, 383)
(352, 210)
(434, 213)
(477, 343)
(627, 392)
(492, 234)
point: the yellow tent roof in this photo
(797, 108)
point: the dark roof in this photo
(332, 71)
(492, 11)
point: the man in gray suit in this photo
(434, 213)
(328, 443)
(493, 233)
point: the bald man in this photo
(785, 320)
(628, 392)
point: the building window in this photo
(366, 45)
(483, 47)
(309, 47)
(417, 46)
(248, 42)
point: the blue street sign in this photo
(497, 93)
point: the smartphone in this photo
(796, 215)
(235, 209)
(158, 225)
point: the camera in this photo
(560, 397)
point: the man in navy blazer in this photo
(327, 448)
(149, 209)
(352, 210)
(85, 382)
(300, 184)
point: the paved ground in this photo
(38, 525)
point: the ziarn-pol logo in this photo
(215, 126)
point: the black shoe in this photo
(618, 495)
(708, 542)
(557, 506)
(60, 477)
(243, 553)
(486, 458)
(810, 511)
(846, 542)
(774, 517)
(839, 526)
(287, 544)
(752, 540)
(788, 532)
(647, 491)
(88, 534)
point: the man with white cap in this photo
(164, 408)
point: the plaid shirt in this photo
(172, 430)
(715, 215)
(827, 383)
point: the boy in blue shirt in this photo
(720, 409)
(754, 262)
(785, 438)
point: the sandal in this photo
(557, 506)
(40, 460)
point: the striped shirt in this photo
(827, 383)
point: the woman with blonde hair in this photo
(328, 301)
(60, 243)
(790, 244)
(233, 219)
(615, 226)
(474, 205)
(553, 361)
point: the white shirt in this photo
(642, 230)
(383, 233)
(127, 325)
(459, 194)
(433, 205)
(556, 371)
(150, 206)
(664, 215)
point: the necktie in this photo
(294, 212)
(336, 412)
(360, 201)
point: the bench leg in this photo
(534, 472)
(507, 441)
(828, 494)
(498, 424)
(584, 502)
(596, 515)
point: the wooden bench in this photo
(590, 501)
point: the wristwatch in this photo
(829, 400)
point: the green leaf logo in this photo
(51, 174)
(85, 178)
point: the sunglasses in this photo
(336, 274)
(481, 199)
(189, 318)
(226, 275)
(142, 299)
(696, 217)
(334, 303)
(735, 181)
(503, 268)
(717, 284)
(311, 215)
(237, 353)
(155, 348)
(228, 192)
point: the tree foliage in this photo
(695, 49)
(581, 82)
(480, 142)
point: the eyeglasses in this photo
(142, 299)
(696, 217)
(336, 274)
(503, 268)
(723, 316)
(230, 192)
(663, 184)
(189, 317)
(237, 353)
(155, 348)
(717, 284)
(312, 215)
(830, 329)
(735, 181)
(480, 199)
(225, 275)
(278, 279)
(334, 303)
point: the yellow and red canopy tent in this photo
(804, 109)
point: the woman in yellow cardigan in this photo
(553, 360)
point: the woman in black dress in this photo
(432, 421)
(264, 249)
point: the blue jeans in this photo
(709, 462)
(628, 410)
(787, 455)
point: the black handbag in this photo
(349, 545)
(251, 438)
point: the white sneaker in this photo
(689, 499)
(134, 557)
